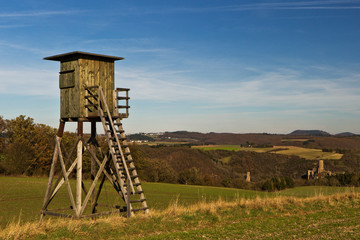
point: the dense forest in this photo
(26, 148)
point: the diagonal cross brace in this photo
(63, 169)
(92, 187)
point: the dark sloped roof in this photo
(79, 54)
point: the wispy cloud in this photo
(346, 4)
(23, 47)
(28, 82)
(283, 5)
(281, 89)
(13, 26)
(35, 14)
(274, 94)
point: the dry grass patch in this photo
(172, 214)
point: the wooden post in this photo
(93, 163)
(63, 169)
(52, 171)
(79, 169)
(61, 129)
(128, 206)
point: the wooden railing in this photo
(121, 102)
(121, 95)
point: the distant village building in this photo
(318, 172)
(247, 177)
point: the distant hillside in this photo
(225, 168)
(309, 133)
(225, 138)
(345, 134)
(258, 139)
(168, 164)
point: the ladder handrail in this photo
(103, 100)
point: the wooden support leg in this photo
(93, 143)
(63, 169)
(98, 194)
(79, 170)
(52, 171)
(128, 205)
(51, 177)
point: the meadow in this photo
(307, 153)
(21, 197)
(316, 213)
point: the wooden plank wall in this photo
(94, 72)
(69, 97)
(88, 72)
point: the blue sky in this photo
(200, 65)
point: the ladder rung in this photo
(119, 161)
(136, 201)
(120, 138)
(129, 161)
(119, 158)
(139, 192)
(123, 115)
(136, 184)
(140, 209)
(125, 155)
(122, 106)
(115, 123)
(123, 169)
(91, 96)
(122, 89)
(132, 177)
(123, 98)
(116, 146)
(118, 131)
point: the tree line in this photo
(26, 148)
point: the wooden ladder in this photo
(127, 176)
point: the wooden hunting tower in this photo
(87, 94)
(78, 71)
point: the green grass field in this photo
(312, 215)
(22, 197)
(307, 153)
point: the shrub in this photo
(190, 176)
(278, 183)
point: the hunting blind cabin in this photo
(87, 94)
